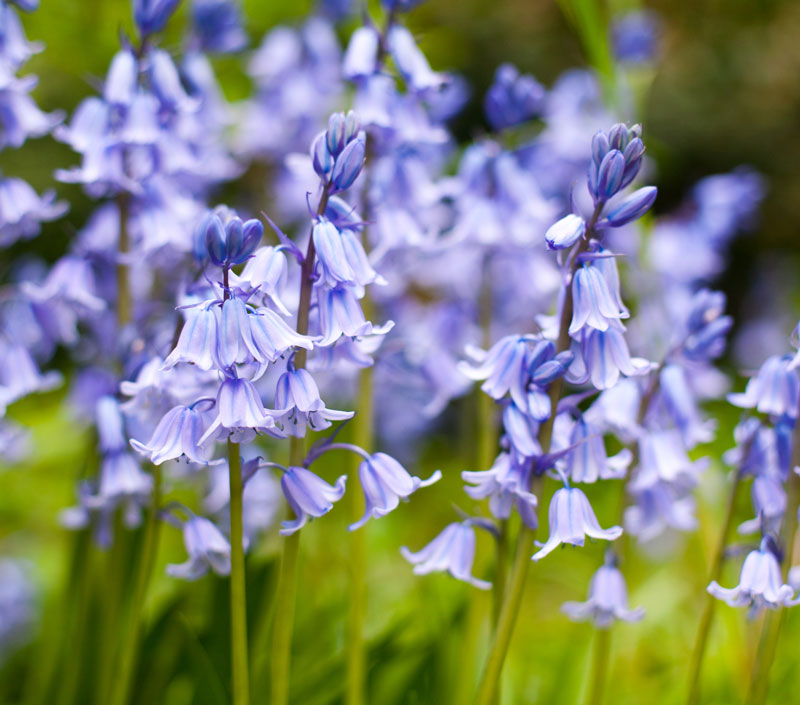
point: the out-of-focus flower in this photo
(453, 551)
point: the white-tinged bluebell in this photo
(453, 550)
(565, 233)
(571, 520)
(607, 602)
(207, 548)
(385, 482)
(298, 404)
(308, 495)
(760, 583)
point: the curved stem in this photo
(706, 619)
(120, 693)
(490, 680)
(600, 659)
(239, 662)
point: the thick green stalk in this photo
(286, 590)
(600, 659)
(120, 692)
(239, 662)
(768, 644)
(285, 598)
(706, 619)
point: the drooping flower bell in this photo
(207, 548)
(385, 482)
(760, 584)
(453, 551)
(607, 602)
(308, 495)
(572, 519)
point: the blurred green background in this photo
(724, 92)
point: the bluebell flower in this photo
(266, 270)
(348, 164)
(299, 405)
(521, 431)
(321, 157)
(410, 61)
(635, 36)
(506, 484)
(774, 390)
(110, 425)
(341, 256)
(240, 412)
(273, 337)
(385, 482)
(662, 456)
(217, 25)
(769, 502)
(20, 376)
(512, 98)
(122, 482)
(308, 495)
(177, 434)
(197, 343)
(22, 210)
(340, 314)
(760, 584)
(616, 159)
(631, 208)
(593, 304)
(70, 280)
(588, 460)
(659, 506)
(232, 242)
(361, 56)
(679, 403)
(504, 367)
(608, 600)
(152, 15)
(603, 357)
(235, 343)
(706, 326)
(453, 550)
(207, 548)
(564, 233)
(571, 519)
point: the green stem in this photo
(600, 659)
(768, 644)
(123, 284)
(490, 680)
(706, 619)
(286, 590)
(126, 663)
(285, 597)
(489, 685)
(239, 662)
(363, 437)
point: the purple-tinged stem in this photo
(286, 590)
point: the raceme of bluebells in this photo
(236, 331)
